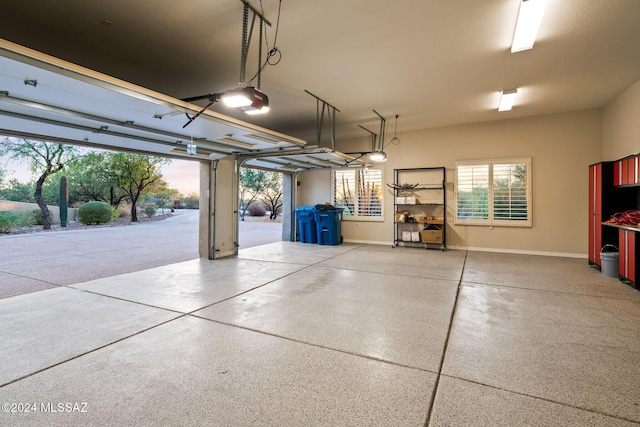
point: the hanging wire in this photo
(395, 140)
(271, 52)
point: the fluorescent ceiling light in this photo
(378, 156)
(529, 19)
(507, 99)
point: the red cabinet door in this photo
(627, 262)
(624, 172)
(631, 170)
(595, 213)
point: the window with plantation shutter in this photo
(493, 192)
(359, 193)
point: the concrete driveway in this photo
(37, 261)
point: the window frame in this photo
(357, 217)
(490, 220)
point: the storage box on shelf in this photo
(420, 207)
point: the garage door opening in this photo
(260, 201)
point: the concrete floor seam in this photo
(247, 291)
(363, 356)
(124, 299)
(383, 273)
(28, 277)
(446, 343)
(93, 350)
(551, 291)
(540, 398)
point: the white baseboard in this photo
(475, 249)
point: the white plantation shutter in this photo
(510, 199)
(359, 193)
(473, 190)
(493, 192)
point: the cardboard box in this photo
(410, 200)
(406, 236)
(401, 200)
(437, 221)
(402, 216)
(415, 236)
(431, 236)
(421, 218)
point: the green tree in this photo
(191, 201)
(134, 174)
(257, 185)
(161, 195)
(17, 191)
(272, 193)
(253, 182)
(45, 159)
(90, 178)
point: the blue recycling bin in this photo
(307, 224)
(329, 226)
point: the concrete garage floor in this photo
(47, 259)
(301, 334)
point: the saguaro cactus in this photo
(64, 200)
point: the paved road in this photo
(44, 260)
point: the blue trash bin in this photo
(329, 226)
(307, 224)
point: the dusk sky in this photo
(181, 174)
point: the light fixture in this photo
(507, 99)
(259, 104)
(378, 156)
(237, 98)
(247, 98)
(191, 149)
(529, 20)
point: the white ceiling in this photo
(433, 63)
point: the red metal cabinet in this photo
(625, 171)
(628, 252)
(595, 213)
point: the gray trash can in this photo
(609, 255)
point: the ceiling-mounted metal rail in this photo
(331, 114)
(383, 127)
(247, 34)
(374, 137)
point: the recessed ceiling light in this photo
(529, 20)
(507, 99)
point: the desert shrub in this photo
(9, 220)
(37, 216)
(150, 210)
(95, 213)
(190, 201)
(124, 210)
(256, 209)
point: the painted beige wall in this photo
(313, 188)
(621, 125)
(561, 146)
